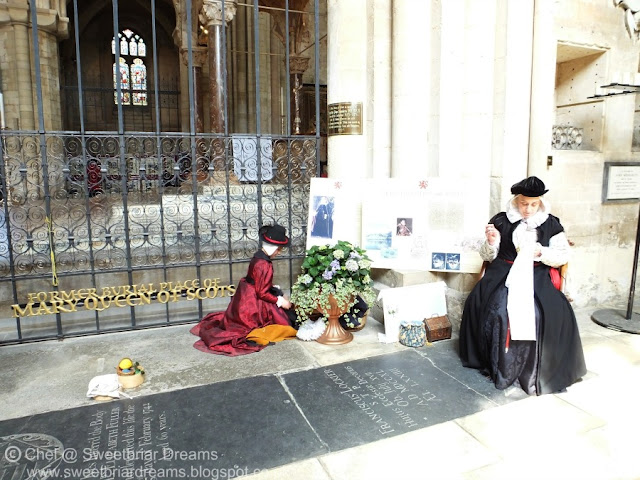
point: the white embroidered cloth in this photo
(520, 300)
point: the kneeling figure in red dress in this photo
(258, 313)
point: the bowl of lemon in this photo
(130, 373)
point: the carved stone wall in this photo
(17, 65)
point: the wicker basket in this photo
(129, 379)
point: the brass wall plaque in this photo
(344, 118)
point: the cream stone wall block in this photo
(450, 86)
(410, 88)
(19, 88)
(517, 78)
(379, 109)
(479, 86)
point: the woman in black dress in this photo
(517, 327)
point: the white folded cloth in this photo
(105, 386)
(311, 330)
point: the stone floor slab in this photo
(225, 430)
(444, 356)
(380, 396)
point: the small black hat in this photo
(529, 187)
(274, 234)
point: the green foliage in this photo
(342, 270)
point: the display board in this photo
(433, 224)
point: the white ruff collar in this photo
(514, 216)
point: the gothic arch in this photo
(95, 30)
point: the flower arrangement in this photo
(342, 270)
(129, 367)
(130, 373)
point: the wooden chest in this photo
(438, 328)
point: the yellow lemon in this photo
(125, 363)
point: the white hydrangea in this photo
(351, 265)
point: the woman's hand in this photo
(537, 251)
(286, 304)
(492, 234)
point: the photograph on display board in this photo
(453, 261)
(404, 227)
(393, 241)
(322, 217)
(378, 239)
(334, 211)
(445, 261)
(438, 261)
(393, 230)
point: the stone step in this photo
(458, 287)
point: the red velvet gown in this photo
(251, 307)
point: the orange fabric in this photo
(271, 333)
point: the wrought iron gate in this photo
(107, 231)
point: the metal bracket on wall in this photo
(625, 87)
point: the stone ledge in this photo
(402, 278)
(458, 287)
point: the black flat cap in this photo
(274, 234)
(529, 187)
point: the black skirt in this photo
(551, 363)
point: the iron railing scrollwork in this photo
(83, 242)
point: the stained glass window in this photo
(124, 82)
(139, 82)
(133, 71)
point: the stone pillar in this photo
(27, 110)
(411, 86)
(18, 73)
(450, 84)
(347, 82)
(380, 101)
(517, 100)
(199, 57)
(211, 17)
(542, 88)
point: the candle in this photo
(2, 122)
(282, 100)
